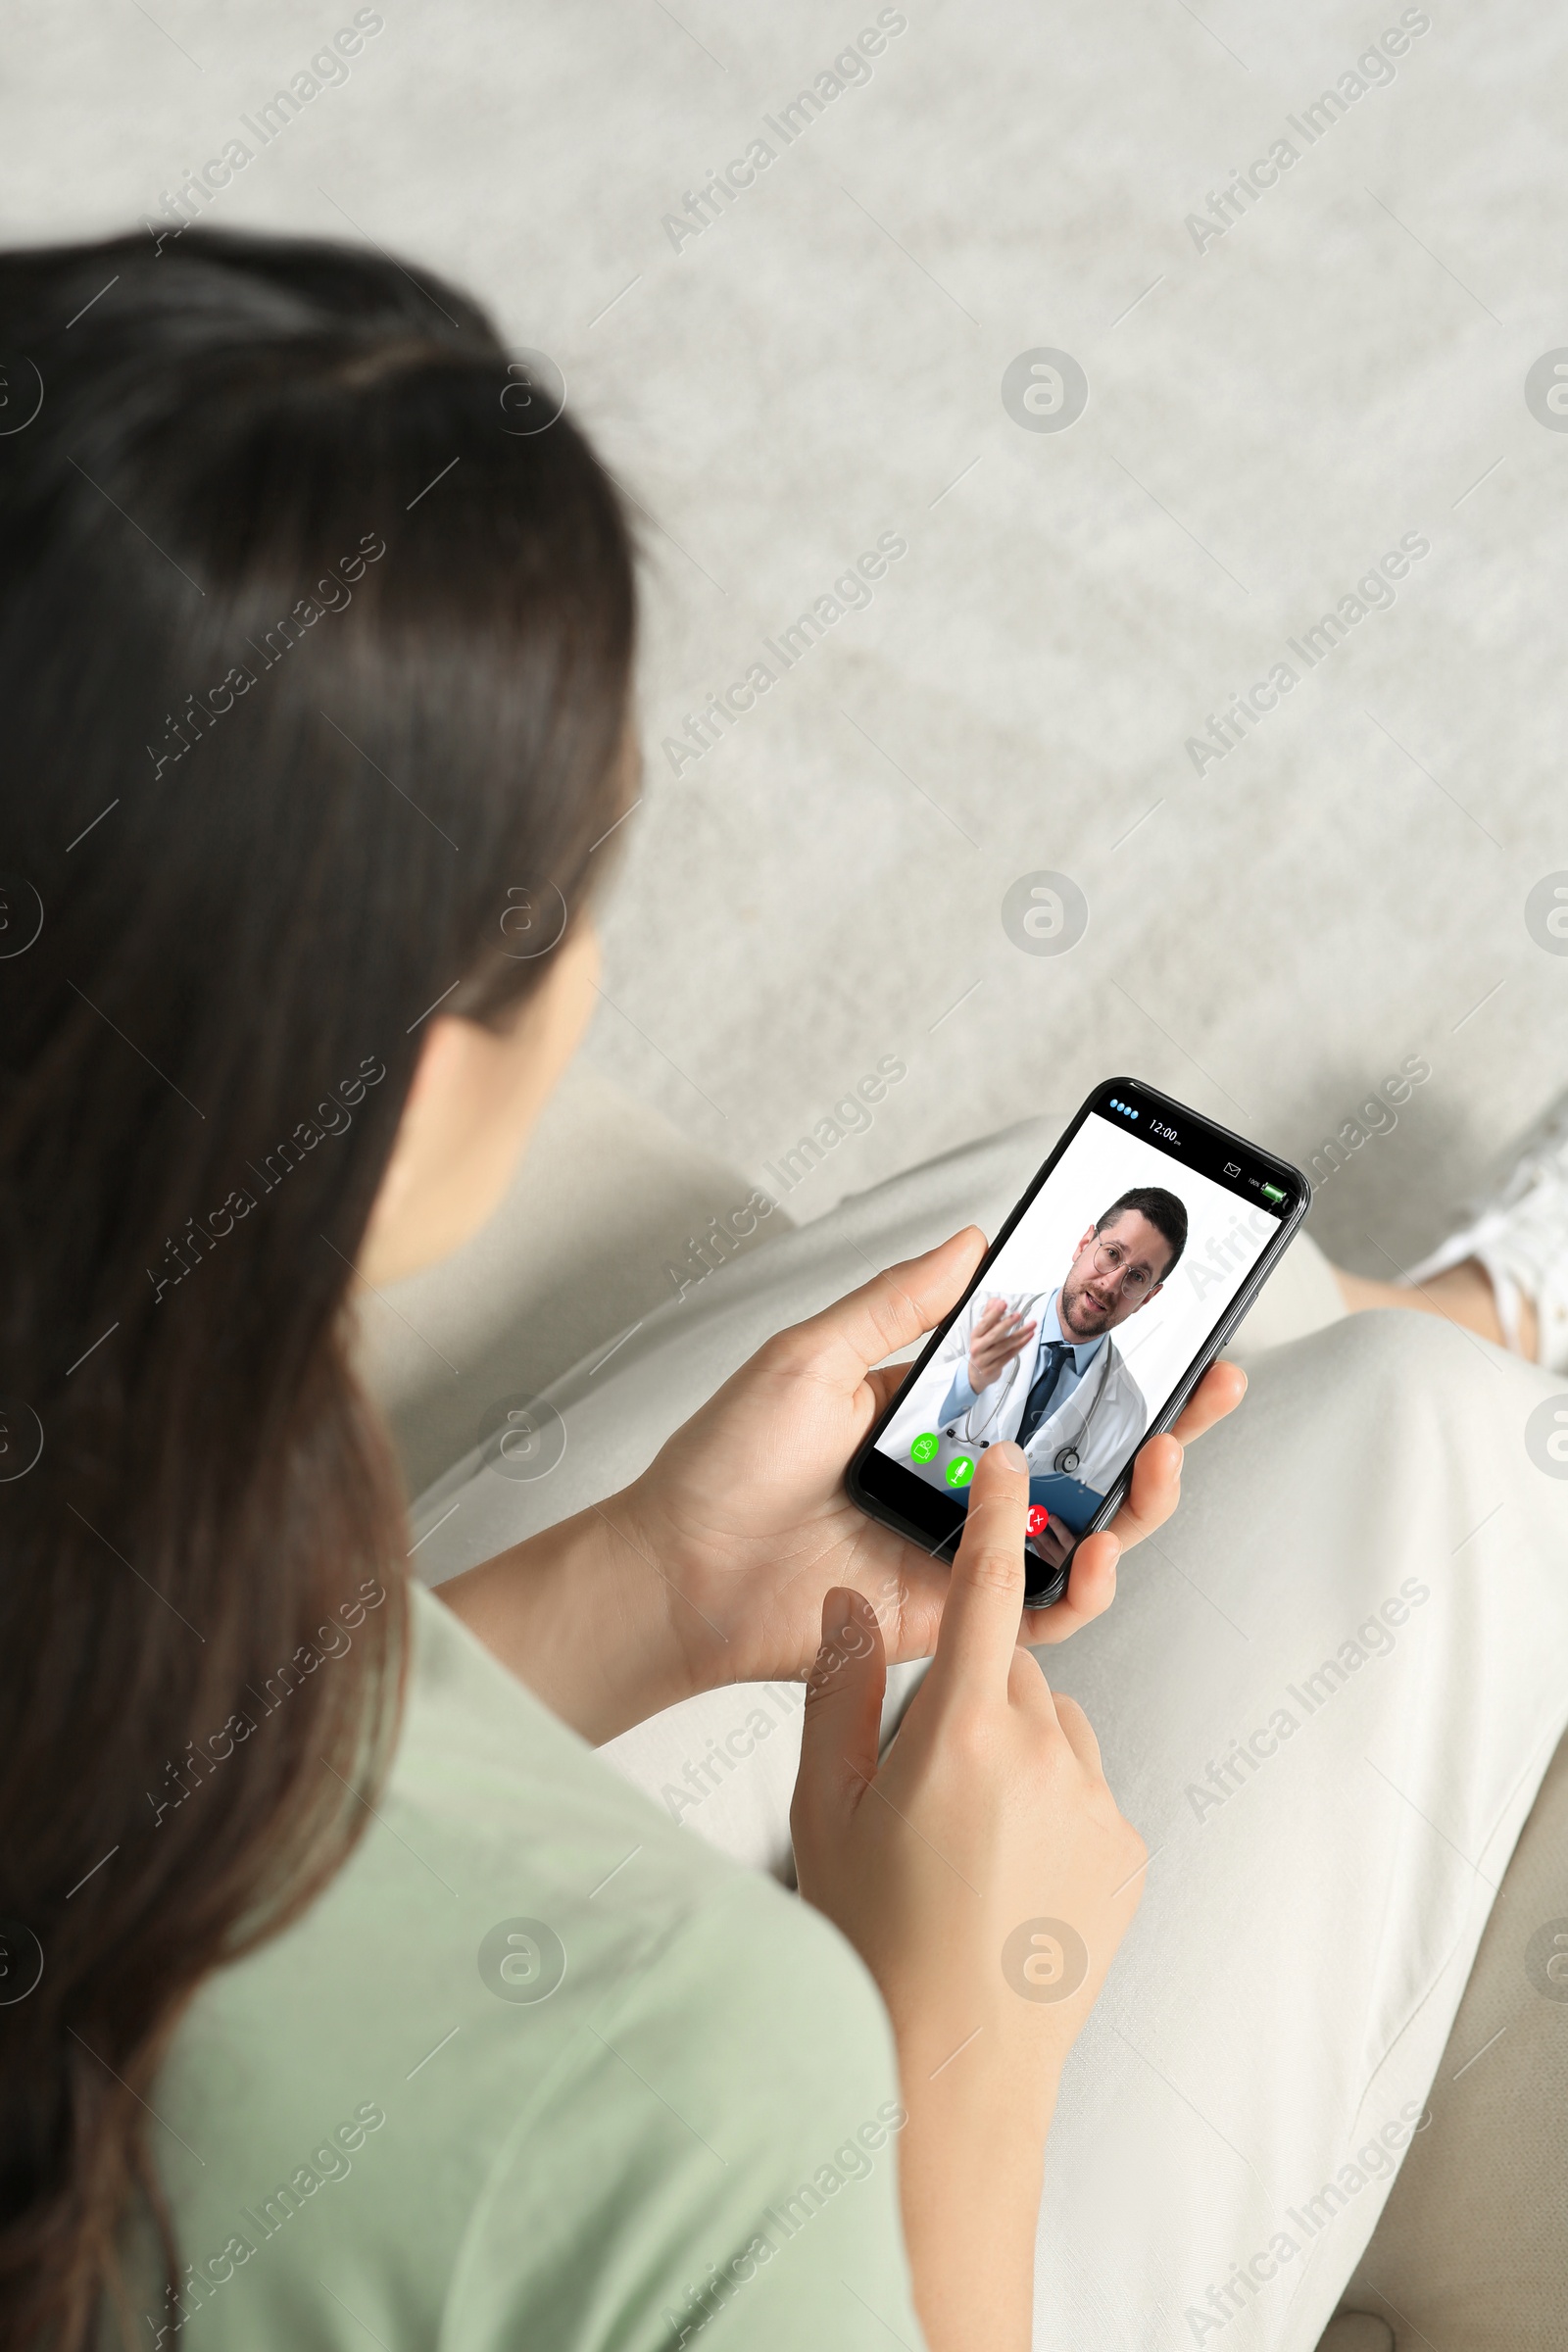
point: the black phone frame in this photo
(888, 1492)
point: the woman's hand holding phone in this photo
(952, 1867)
(714, 1565)
(746, 1511)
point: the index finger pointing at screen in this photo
(980, 1622)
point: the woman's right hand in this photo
(986, 1876)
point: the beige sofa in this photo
(610, 1213)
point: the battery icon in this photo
(1271, 1192)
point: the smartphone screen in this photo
(1133, 1253)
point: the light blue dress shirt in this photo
(960, 1396)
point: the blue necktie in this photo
(1052, 1355)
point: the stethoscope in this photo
(1068, 1457)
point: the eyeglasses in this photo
(1110, 1260)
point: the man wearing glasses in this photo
(1043, 1369)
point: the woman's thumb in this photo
(841, 1731)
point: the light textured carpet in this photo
(823, 365)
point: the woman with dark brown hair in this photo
(345, 1993)
(315, 671)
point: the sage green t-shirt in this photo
(539, 2069)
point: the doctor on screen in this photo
(1042, 1368)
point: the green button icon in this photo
(924, 1446)
(960, 1470)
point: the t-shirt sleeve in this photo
(716, 2161)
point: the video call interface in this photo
(1079, 1332)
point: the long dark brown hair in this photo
(315, 660)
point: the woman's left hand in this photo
(745, 1513)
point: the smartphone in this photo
(1115, 1282)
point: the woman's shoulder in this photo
(477, 1751)
(530, 2015)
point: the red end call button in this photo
(1039, 1519)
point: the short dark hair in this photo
(1163, 1211)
